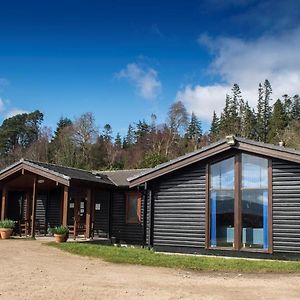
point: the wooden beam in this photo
(65, 206)
(207, 207)
(88, 214)
(237, 202)
(270, 205)
(4, 203)
(34, 198)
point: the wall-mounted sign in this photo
(97, 206)
(72, 205)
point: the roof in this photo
(213, 149)
(61, 172)
(119, 177)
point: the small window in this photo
(133, 208)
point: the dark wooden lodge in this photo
(235, 197)
(92, 204)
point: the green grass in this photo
(145, 257)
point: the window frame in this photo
(129, 220)
(238, 204)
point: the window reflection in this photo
(222, 203)
(254, 202)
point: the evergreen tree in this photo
(194, 130)
(107, 132)
(288, 107)
(236, 109)
(118, 141)
(61, 124)
(263, 110)
(295, 115)
(249, 122)
(130, 136)
(225, 126)
(214, 128)
(278, 122)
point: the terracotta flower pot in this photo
(60, 238)
(5, 233)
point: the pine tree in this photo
(118, 141)
(249, 122)
(225, 126)
(61, 124)
(214, 128)
(130, 136)
(237, 109)
(278, 122)
(296, 108)
(263, 110)
(288, 107)
(194, 130)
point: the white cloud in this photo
(246, 62)
(15, 111)
(2, 105)
(145, 80)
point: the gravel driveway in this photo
(31, 270)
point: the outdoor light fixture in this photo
(41, 181)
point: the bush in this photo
(7, 224)
(64, 230)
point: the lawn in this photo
(145, 257)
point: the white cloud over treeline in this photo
(246, 62)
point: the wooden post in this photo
(4, 203)
(34, 196)
(88, 214)
(65, 206)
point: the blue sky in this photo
(123, 60)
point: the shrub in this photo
(64, 230)
(7, 224)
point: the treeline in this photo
(81, 143)
(270, 122)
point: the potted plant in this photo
(6, 228)
(61, 233)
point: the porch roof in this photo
(59, 173)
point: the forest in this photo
(80, 143)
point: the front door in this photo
(77, 215)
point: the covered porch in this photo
(39, 195)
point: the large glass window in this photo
(254, 193)
(222, 203)
(250, 203)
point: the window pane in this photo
(222, 174)
(254, 172)
(222, 204)
(132, 209)
(254, 202)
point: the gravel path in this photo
(31, 270)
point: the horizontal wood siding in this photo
(41, 207)
(101, 217)
(179, 209)
(286, 207)
(128, 233)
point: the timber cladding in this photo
(286, 206)
(179, 208)
(123, 232)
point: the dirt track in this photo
(30, 270)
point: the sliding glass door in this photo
(238, 203)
